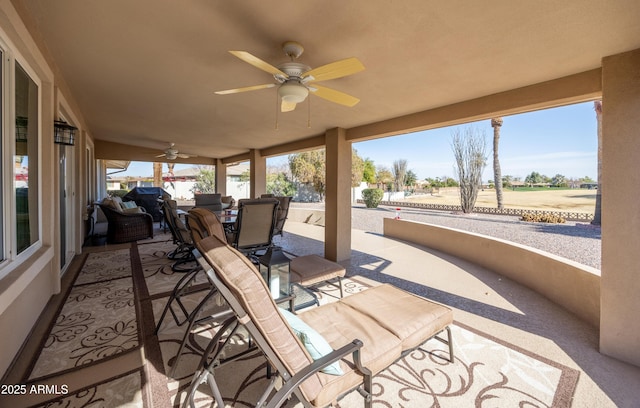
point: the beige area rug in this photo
(122, 392)
(487, 372)
(159, 278)
(97, 321)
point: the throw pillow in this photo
(108, 202)
(315, 344)
(129, 204)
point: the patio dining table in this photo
(227, 219)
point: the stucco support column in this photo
(258, 174)
(620, 281)
(337, 232)
(221, 177)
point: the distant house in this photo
(180, 183)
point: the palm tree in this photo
(597, 105)
(496, 123)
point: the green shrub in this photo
(119, 193)
(548, 218)
(372, 197)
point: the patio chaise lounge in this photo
(369, 331)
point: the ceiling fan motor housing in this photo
(171, 153)
(292, 89)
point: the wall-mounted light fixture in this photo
(64, 133)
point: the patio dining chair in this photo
(182, 254)
(202, 223)
(361, 335)
(254, 227)
(283, 212)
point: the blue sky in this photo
(553, 141)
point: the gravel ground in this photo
(577, 241)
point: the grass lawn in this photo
(537, 198)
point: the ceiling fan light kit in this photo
(293, 92)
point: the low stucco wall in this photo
(573, 286)
(306, 215)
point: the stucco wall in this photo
(29, 279)
(23, 295)
(573, 286)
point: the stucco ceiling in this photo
(144, 72)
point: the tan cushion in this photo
(312, 269)
(206, 224)
(388, 320)
(412, 318)
(118, 200)
(136, 210)
(339, 325)
(111, 203)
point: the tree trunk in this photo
(157, 174)
(597, 220)
(496, 123)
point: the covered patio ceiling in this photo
(144, 72)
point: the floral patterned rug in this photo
(98, 319)
(103, 349)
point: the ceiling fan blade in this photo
(287, 106)
(334, 70)
(258, 63)
(245, 89)
(334, 96)
(161, 155)
(186, 156)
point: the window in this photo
(26, 160)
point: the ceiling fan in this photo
(296, 80)
(171, 153)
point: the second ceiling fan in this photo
(296, 80)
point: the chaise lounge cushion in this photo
(410, 317)
(340, 324)
(387, 320)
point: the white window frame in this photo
(10, 260)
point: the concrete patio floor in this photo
(488, 302)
